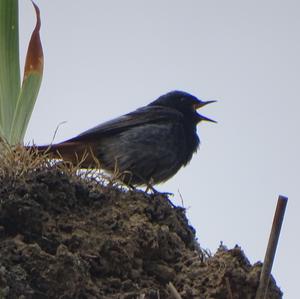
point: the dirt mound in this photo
(66, 238)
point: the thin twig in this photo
(271, 249)
(173, 291)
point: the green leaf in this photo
(9, 63)
(26, 102)
(33, 74)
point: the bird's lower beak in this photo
(201, 117)
(202, 104)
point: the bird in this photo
(146, 146)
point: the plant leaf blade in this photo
(33, 73)
(9, 63)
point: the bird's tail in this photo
(67, 151)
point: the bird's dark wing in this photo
(144, 115)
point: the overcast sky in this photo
(106, 58)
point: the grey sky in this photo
(106, 58)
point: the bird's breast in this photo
(152, 151)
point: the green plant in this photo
(17, 100)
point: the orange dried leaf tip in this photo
(34, 58)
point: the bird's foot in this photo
(155, 192)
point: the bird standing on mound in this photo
(146, 146)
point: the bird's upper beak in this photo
(202, 104)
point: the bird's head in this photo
(184, 102)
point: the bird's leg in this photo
(154, 191)
(150, 187)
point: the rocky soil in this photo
(67, 238)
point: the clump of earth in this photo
(62, 237)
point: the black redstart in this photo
(146, 146)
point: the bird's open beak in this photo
(202, 104)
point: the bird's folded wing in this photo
(144, 115)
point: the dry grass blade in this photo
(18, 161)
(173, 291)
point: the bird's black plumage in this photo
(149, 144)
